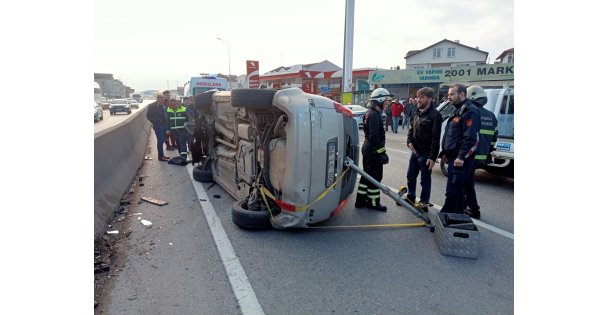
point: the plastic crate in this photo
(456, 235)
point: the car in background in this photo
(119, 106)
(105, 103)
(133, 103)
(358, 113)
(98, 114)
(137, 97)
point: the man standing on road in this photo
(177, 118)
(406, 113)
(459, 144)
(389, 116)
(423, 139)
(170, 142)
(396, 110)
(373, 151)
(488, 134)
(158, 117)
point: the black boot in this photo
(472, 213)
(377, 207)
(361, 201)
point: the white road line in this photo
(248, 302)
(477, 222)
(399, 151)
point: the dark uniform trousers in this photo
(372, 165)
(457, 178)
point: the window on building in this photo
(510, 59)
(451, 52)
(437, 53)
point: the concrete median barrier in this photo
(119, 152)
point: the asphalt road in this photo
(174, 267)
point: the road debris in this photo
(217, 196)
(146, 222)
(121, 210)
(112, 232)
(147, 158)
(154, 201)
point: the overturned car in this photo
(280, 154)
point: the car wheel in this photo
(202, 102)
(252, 98)
(202, 173)
(248, 219)
(443, 167)
(101, 117)
(129, 112)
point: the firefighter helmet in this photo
(380, 95)
(477, 95)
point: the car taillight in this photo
(341, 109)
(339, 208)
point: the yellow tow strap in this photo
(266, 192)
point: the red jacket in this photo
(397, 109)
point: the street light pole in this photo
(227, 42)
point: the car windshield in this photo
(356, 108)
(119, 102)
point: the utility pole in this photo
(347, 63)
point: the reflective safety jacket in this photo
(374, 133)
(461, 136)
(177, 117)
(488, 134)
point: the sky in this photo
(153, 45)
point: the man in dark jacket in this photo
(459, 145)
(373, 151)
(488, 134)
(157, 116)
(423, 139)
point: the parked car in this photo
(98, 115)
(119, 106)
(133, 103)
(276, 153)
(358, 113)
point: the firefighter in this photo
(488, 134)
(373, 150)
(460, 141)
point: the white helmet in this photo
(380, 95)
(477, 95)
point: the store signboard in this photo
(491, 72)
(253, 74)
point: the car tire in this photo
(252, 98)
(248, 219)
(101, 118)
(129, 112)
(202, 173)
(444, 168)
(203, 101)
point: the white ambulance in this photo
(201, 84)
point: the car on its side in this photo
(280, 154)
(358, 113)
(98, 114)
(133, 103)
(119, 106)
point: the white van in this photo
(501, 103)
